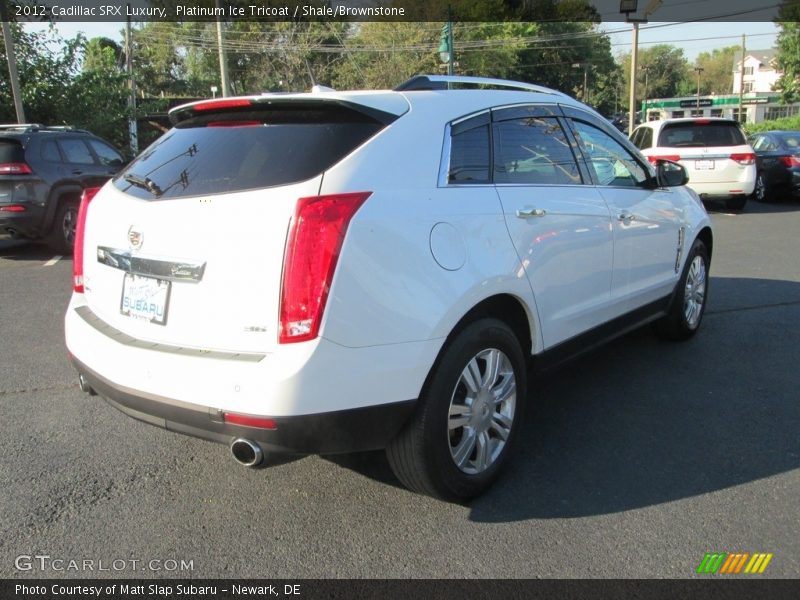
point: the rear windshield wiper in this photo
(145, 183)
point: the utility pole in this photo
(223, 61)
(646, 70)
(741, 85)
(634, 58)
(698, 70)
(585, 98)
(133, 133)
(12, 63)
(451, 70)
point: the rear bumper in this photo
(22, 224)
(724, 189)
(351, 430)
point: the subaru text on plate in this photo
(343, 271)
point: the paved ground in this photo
(638, 459)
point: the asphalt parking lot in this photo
(637, 459)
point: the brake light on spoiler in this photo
(80, 226)
(312, 251)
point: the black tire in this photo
(736, 203)
(681, 322)
(761, 192)
(423, 455)
(62, 233)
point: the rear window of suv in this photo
(701, 134)
(11, 151)
(239, 150)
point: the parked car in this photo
(714, 151)
(43, 171)
(777, 164)
(343, 271)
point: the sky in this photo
(694, 38)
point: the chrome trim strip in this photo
(168, 270)
(85, 313)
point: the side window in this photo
(613, 164)
(107, 155)
(76, 152)
(637, 134)
(469, 156)
(759, 143)
(533, 150)
(647, 139)
(50, 151)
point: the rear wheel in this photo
(62, 235)
(761, 192)
(467, 417)
(689, 304)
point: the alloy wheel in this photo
(695, 292)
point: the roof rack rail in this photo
(28, 127)
(443, 82)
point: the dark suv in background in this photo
(43, 171)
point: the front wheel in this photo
(689, 304)
(467, 416)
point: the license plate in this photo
(704, 165)
(145, 298)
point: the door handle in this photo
(77, 172)
(626, 217)
(527, 212)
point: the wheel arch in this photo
(58, 196)
(707, 237)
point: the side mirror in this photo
(670, 174)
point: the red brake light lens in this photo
(312, 251)
(221, 104)
(790, 161)
(249, 421)
(13, 208)
(77, 252)
(18, 168)
(744, 158)
(673, 157)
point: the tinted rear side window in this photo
(533, 150)
(469, 156)
(11, 151)
(243, 150)
(701, 134)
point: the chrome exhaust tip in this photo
(83, 383)
(247, 453)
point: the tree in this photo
(788, 57)
(665, 67)
(717, 74)
(46, 64)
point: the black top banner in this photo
(598, 11)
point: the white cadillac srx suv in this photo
(342, 271)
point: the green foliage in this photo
(667, 70)
(789, 52)
(717, 74)
(784, 124)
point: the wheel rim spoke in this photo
(695, 291)
(492, 369)
(463, 451)
(501, 425)
(460, 415)
(483, 455)
(471, 376)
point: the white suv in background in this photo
(720, 163)
(342, 271)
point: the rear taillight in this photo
(77, 252)
(790, 161)
(312, 251)
(673, 157)
(744, 158)
(15, 168)
(13, 208)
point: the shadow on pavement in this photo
(643, 421)
(24, 250)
